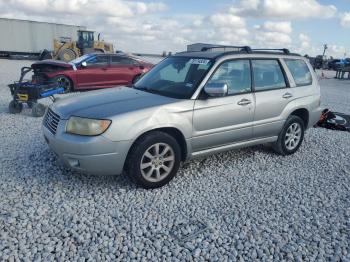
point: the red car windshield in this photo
(176, 77)
(81, 59)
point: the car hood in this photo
(107, 103)
(51, 62)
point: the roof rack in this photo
(284, 50)
(246, 49)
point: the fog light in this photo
(74, 162)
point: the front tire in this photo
(15, 107)
(154, 160)
(64, 82)
(291, 136)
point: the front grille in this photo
(51, 121)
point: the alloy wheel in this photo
(293, 136)
(157, 162)
(65, 83)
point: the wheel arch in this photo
(303, 113)
(172, 131)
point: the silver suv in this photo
(191, 104)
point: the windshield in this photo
(176, 77)
(79, 60)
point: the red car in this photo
(92, 71)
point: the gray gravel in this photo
(249, 204)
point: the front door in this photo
(219, 121)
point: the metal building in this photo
(24, 36)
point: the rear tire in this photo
(290, 137)
(154, 160)
(15, 107)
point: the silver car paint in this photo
(208, 126)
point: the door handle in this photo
(287, 95)
(244, 102)
(104, 69)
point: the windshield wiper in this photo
(148, 89)
(135, 87)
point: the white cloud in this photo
(272, 34)
(140, 26)
(93, 8)
(286, 9)
(227, 20)
(304, 41)
(305, 46)
(336, 50)
(345, 19)
(273, 39)
(281, 27)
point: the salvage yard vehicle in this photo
(26, 92)
(333, 64)
(191, 104)
(66, 50)
(92, 71)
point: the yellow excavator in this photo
(66, 50)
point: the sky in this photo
(152, 26)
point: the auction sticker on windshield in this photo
(197, 61)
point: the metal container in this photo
(24, 36)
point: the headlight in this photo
(87, 127)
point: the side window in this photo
(97, 61)
(268, 75)
(236, 74)
(299, 71)
(117, 60)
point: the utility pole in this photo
(325, 47)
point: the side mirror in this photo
(84, 64)
(141, 67)
(216, 89)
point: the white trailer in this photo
(31, 37)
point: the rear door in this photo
(272, 95)
(95, 72)
(123, 70)
(302, 83)
(219, 121)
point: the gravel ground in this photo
(249, 204)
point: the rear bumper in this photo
(91, 155)
(315, 116)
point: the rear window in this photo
(300, 72)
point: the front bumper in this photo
(95, 155)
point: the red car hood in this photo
(50, 62)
